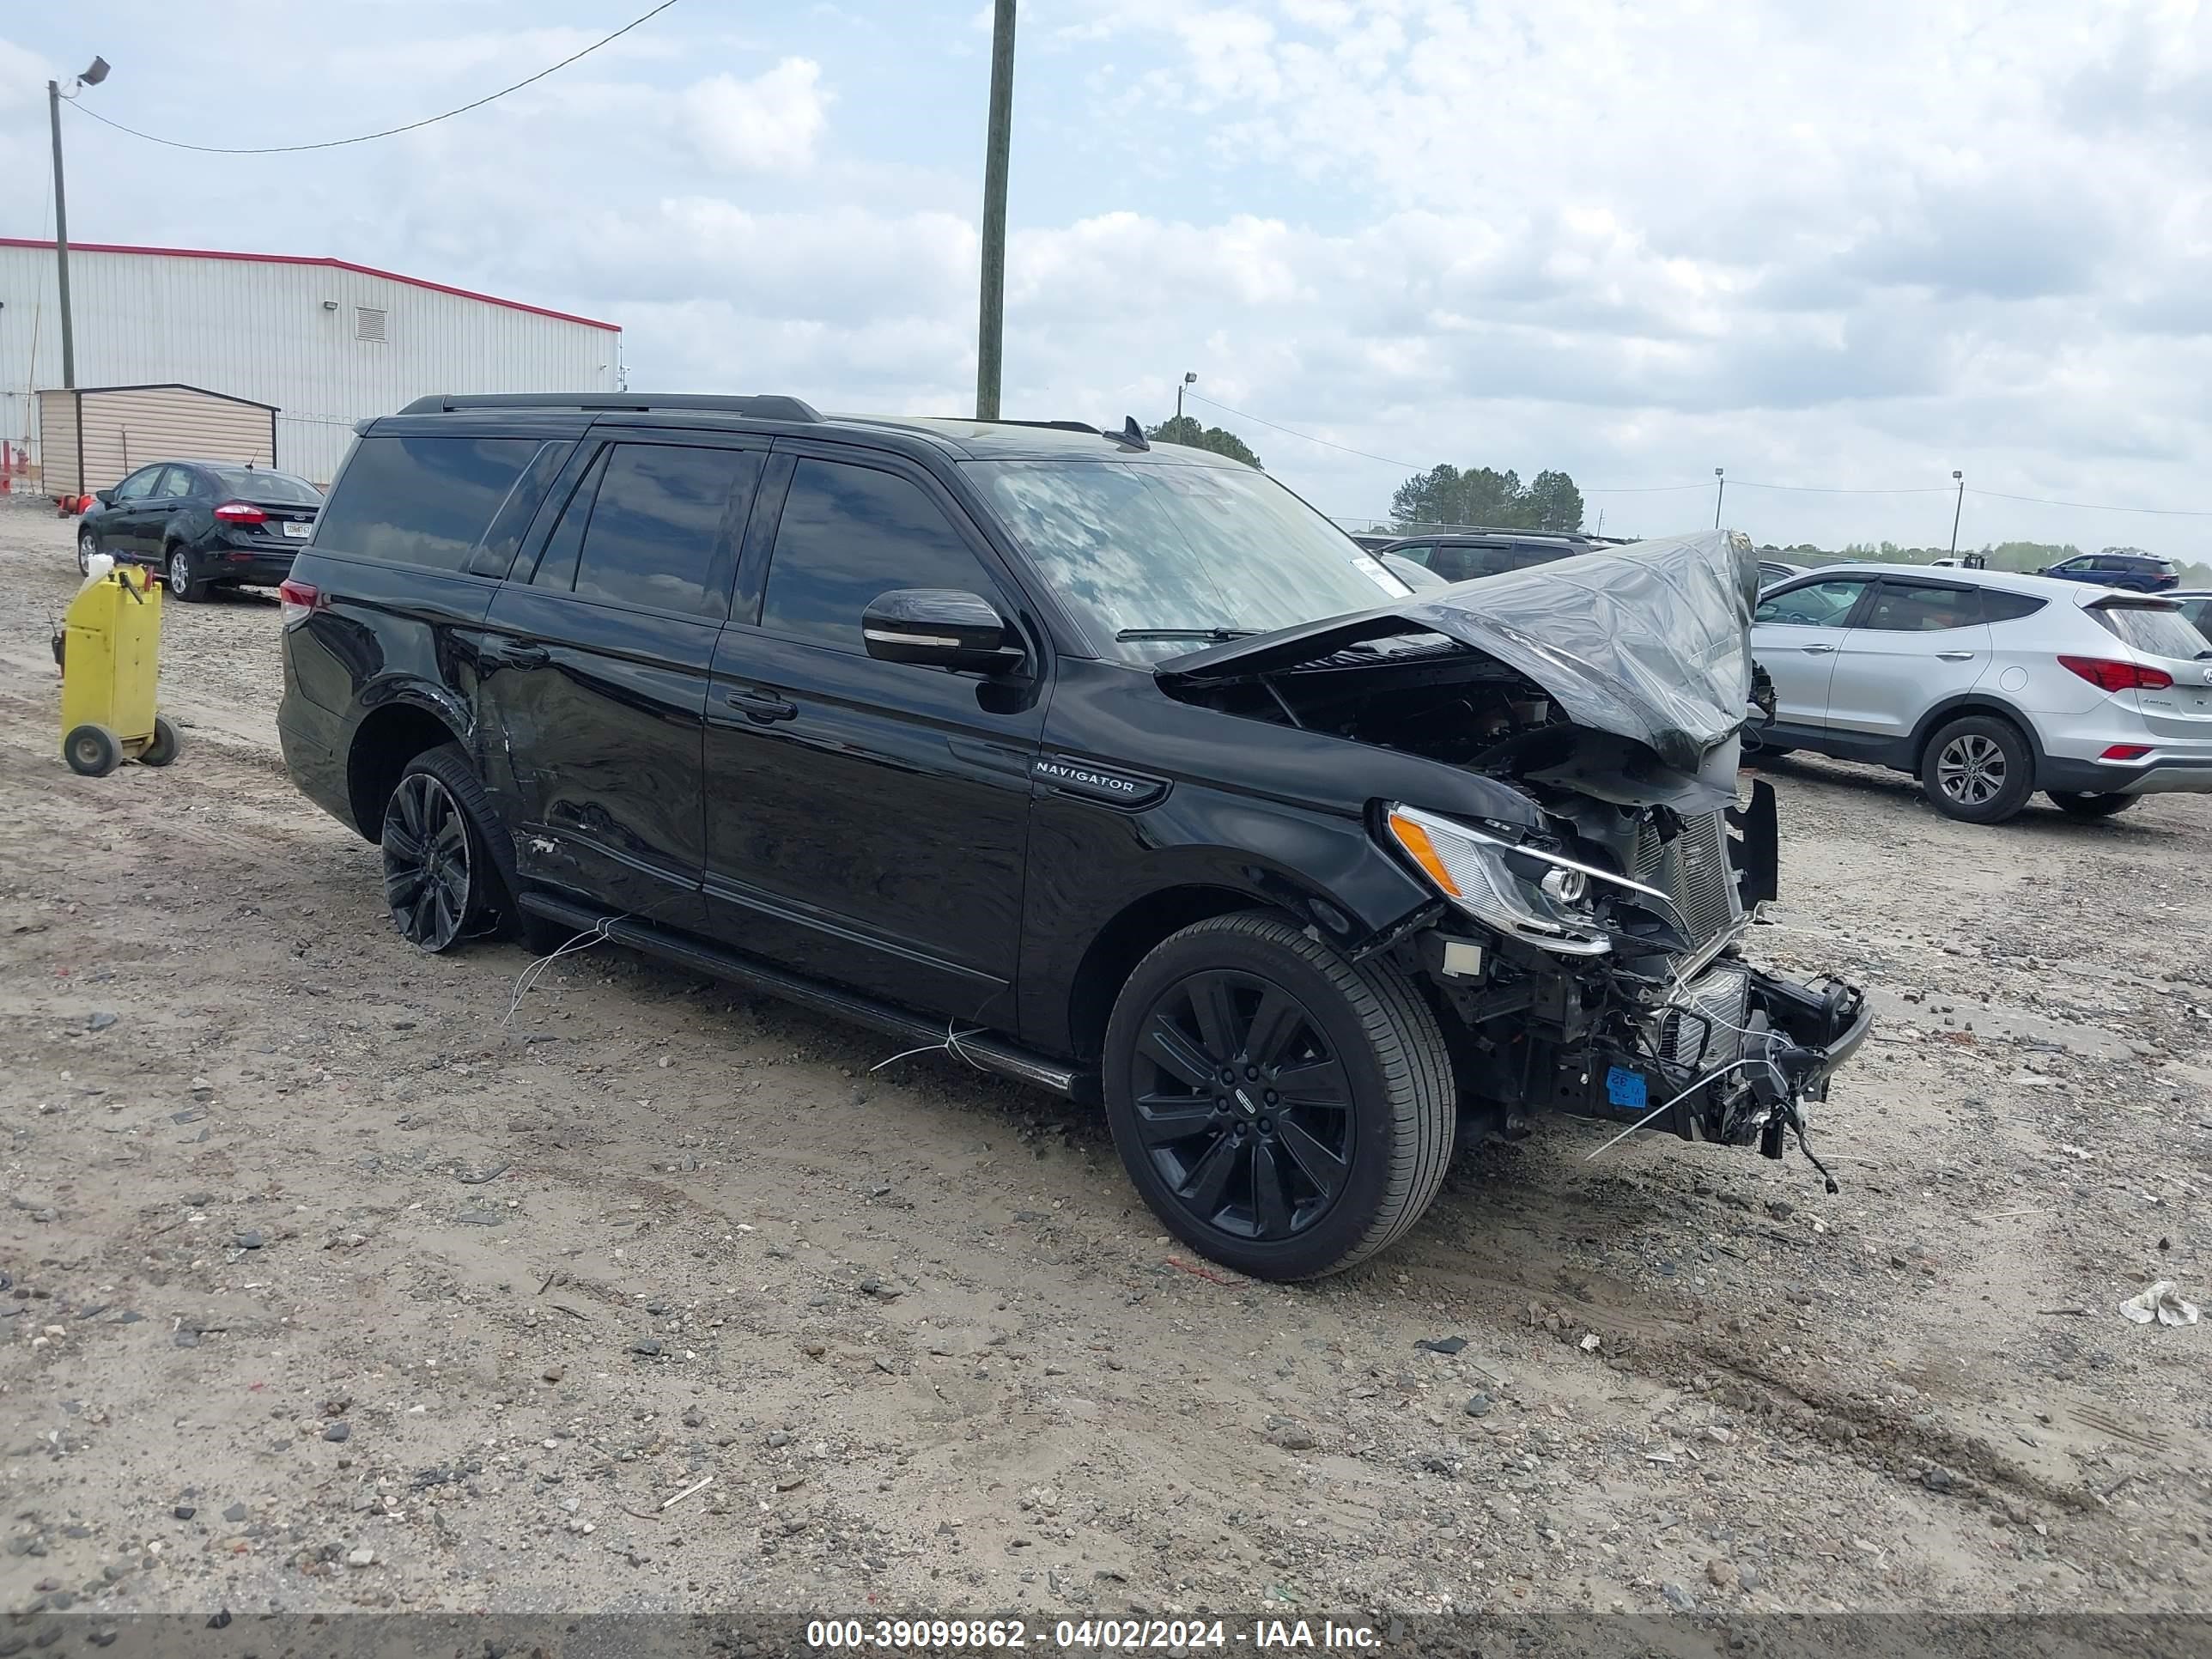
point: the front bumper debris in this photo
(1735, 1057)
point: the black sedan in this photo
(202, 523)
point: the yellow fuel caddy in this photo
(109, 649)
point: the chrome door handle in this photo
(1818, 650)
(1954, 656)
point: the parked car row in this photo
(202, 523)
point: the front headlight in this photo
(1542, 900)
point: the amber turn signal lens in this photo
(1415, 839)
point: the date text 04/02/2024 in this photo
(1087, 1635)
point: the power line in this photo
(2097, 506)
(388, 132)
(1325, 443)
(1843, 490)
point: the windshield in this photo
(1166, 547)
(274, 488)
(2158, 633)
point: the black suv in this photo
(1463, 555)
(1110, 766)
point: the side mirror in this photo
(104, 497)
(939, 628)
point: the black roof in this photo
(954, 437)
(1500, 534)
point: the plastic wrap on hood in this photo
(1650, 640)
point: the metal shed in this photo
(93, 436)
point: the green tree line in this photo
(1445, 495)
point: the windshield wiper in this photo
(1223, 634)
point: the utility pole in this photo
(61, 236)
(92, 77)
(990, 331)
(1189, 377)
(1720, 489)
(1957, 507)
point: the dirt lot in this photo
(343, 1276)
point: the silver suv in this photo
(1989, 686)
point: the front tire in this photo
(88, 544)
(92, 750)
(1282, 1110)
(2090, 807)
(1978, 769)
(182, 583)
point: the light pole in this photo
(1189, 378)
(1957, 507)
(990, 331)
(92, 77)
(1720, 489)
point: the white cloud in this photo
(23, 77)
(771, 122)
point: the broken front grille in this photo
(1692, 870)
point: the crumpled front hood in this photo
(1650, 642)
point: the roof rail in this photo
(1056, 426)
(760, 407)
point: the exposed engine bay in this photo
(1589, 960)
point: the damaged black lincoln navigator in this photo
(1109, 766)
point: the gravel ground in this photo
(341, 1276)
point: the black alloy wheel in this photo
(1244, 1107)
(429, 863)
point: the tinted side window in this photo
(1816, 604)
(2006, 607)
(421, 501)
(665, 526)
(1419, 553)
(557, 565)
(850, 533)
(139, 485)
(177, 481)
(1464, 563)
(1914, 609)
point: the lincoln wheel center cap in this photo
(1244, 1105)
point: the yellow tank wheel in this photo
(92, 749)
(164, 747)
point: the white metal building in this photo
(327, 342)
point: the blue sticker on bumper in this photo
(1626, 1088)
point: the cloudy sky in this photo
(1846, 246)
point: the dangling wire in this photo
(951, 1045)
(596, 933)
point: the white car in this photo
(1989, 686)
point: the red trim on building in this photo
(326, 264)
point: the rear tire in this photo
(2090, 807)
(1282, 1110)
(164, 747)
(440, 879)
(1978, 769)
(183, 584)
